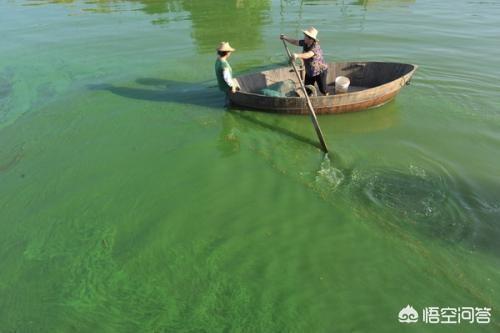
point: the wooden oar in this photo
(311, 109)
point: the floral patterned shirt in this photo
(316, 64)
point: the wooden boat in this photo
(372, 84)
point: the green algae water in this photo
(132, 201)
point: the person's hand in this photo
(282, 37)
(233, 89)
(294, 56)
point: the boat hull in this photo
(372, 84)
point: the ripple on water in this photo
(426, 201)
(410, 194)
(328, 178)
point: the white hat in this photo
(311, 32)
(225, 47)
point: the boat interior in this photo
(362, 76)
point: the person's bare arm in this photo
(289, 40)
(304, 56)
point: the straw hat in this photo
(311, 32)
(225, 47)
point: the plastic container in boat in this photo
(341, 84)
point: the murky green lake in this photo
(132, 201)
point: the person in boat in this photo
(316, 67)
(224, 72)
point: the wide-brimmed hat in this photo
(225, 47)
(311, 32)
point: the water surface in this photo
(132, 201)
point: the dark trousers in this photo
(319, 79)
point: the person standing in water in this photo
(316, 67)
(224, 72)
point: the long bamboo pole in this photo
(311, 109)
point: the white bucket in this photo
(341, 84)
